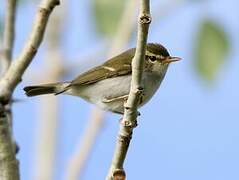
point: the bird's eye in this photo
(152, 58)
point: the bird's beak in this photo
(170, 59)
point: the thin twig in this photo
(129, 120)
(8, 35)
(48, 116)
(83, 149)
(48, 110)
(8, 43)
(46, 140)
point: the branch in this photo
(129, 120)
(48, 119)
(78, 160)
(9, 34)
(8, 164)
(14, 74)
(48, 107)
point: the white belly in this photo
(113, 87)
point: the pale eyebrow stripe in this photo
(151, 54)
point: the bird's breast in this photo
(112, 88)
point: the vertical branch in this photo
(79, 158)
(8, 164)
(77, 162)
(8, 43)
(45, 144)
(8, 34)
(48, 112)
(48, 116)
(129, 120)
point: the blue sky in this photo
(187, 131)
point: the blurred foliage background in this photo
(197, 141)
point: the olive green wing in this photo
(117, 66)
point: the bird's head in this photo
(157, 58)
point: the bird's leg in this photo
(109, 100)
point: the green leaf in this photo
(107, 15)
(211, 50)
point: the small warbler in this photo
(108, 85)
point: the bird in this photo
(108, 85)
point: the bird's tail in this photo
(54, 88)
